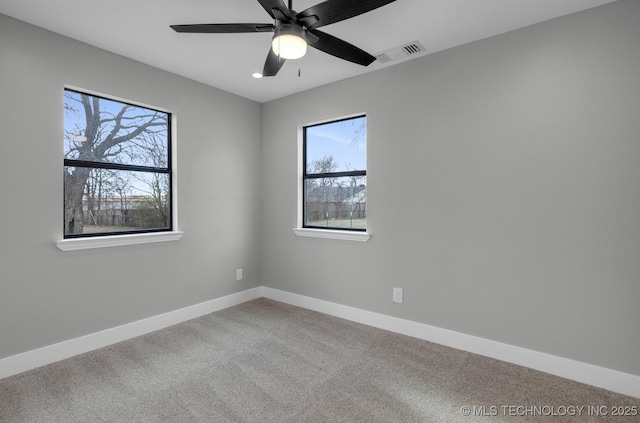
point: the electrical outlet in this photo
(238, 274)
(397, 295)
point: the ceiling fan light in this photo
(289, 43)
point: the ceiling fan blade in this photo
(224, 28)
(281, 9)
(273, 64)
(332, 11)
(341, 49)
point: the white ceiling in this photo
(139, 29)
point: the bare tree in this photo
(102, 134)
(318, 190)
(155, 186)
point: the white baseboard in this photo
(36, 358)
(601, 377)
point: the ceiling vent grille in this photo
(383, 57)
(412, 48)
(400, 52)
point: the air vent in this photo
(400, 52)
(382, 57)
(412, 48)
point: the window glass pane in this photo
(336, 202)
(336, 146)
(115, 200)
(107, 131)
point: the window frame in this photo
(70, 242)
(303, 229)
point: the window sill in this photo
(117, 240)
(331, 234)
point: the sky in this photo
(345, 140)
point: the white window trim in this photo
(74, 244)
(299, 230)
(333, 234)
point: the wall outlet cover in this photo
(397, 295)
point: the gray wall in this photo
(515, 160)
(47, 296)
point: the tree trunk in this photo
(73, 191)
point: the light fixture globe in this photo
(289, 41)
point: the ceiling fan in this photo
(293, 31)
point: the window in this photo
(335, 175)
(117, 167)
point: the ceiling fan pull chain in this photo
(279, 57)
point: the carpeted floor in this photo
(265, 361)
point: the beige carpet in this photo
(264, 361)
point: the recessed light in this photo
(257, 75)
